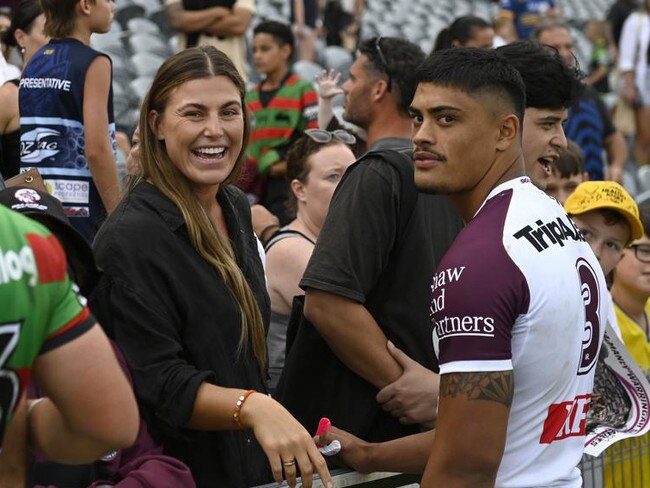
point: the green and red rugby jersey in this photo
(294, 107)
(39, 307)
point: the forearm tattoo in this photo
(496, 386)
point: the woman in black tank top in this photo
(315, 164)
(27, 35)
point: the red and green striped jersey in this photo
(39, 307)
(292, 110)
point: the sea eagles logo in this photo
(39, 144)
(27, 195)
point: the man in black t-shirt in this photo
(368, 279)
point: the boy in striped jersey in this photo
(282, 106)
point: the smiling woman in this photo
(183, 291)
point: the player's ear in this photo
(508, 131)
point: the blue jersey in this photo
(526, 14)
(589, 125)
(52, 132)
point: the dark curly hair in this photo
(550, 82)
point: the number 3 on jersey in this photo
(591, 298)
(9, 380)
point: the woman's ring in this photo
(289, 463)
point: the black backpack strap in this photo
(401, 160)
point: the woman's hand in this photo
(286, 443)
(328, 84)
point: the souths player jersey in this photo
(39, 309)
(520, 290)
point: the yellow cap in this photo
(592, 195)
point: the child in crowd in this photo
(600, 60)
(282, 107)
(567, 173)
(66, 113)
(608, 218)
(630, 291)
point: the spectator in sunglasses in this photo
(630, 292)
(315, 164)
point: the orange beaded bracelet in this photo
(238, 407)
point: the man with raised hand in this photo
(367, 280)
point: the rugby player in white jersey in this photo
(518, 302)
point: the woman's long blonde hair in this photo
(157, 168)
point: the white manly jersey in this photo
(520, 290)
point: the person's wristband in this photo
(269, 227)
(238, 406)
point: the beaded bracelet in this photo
(238, 407)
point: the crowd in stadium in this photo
(285, 219)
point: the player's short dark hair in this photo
(550, 82)
(474, 71)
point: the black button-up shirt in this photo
(179, 326)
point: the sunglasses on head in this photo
(324, 136)
(384, 64)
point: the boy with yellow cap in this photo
(608, 218)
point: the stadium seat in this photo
(140, 86)
(337, 58)
(146, 64)
(307, 70)
(142, 25)
(109, 43)
(159, 18)
(143, 42)
(121, 68)
(643, 177)
(149, 5)
(643, 198)
(124, 13)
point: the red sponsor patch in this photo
(50, 258)
(566, 419)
